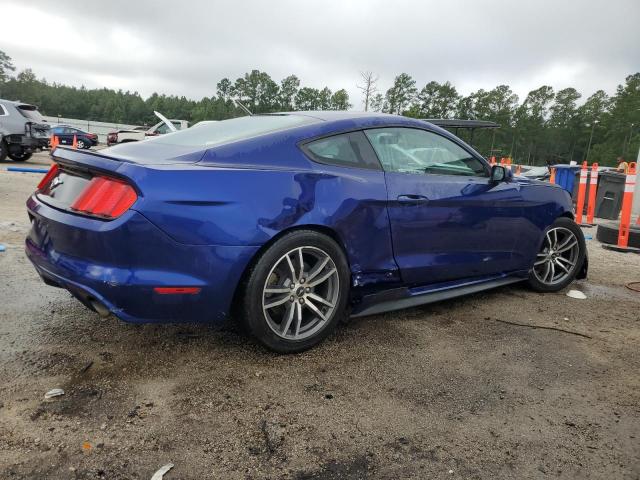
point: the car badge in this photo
(55, 182)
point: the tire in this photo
(608, 233)
(292, 324)
(81, 145)
(3, 151)
(19, 155)
(568, 261)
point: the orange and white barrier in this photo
(593, 187)
(582, 188)
(627, 200)
(53, 144)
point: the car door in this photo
(448, 220)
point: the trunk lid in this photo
(152, 153)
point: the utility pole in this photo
(593, 125)
(626, 147)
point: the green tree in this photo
(257, 91)
(307, 98)
(288, 89)
(224, 89)
(340, 100)
(6, 66)
(401, 94)
(435, 100)
(324, 99)
(376, 103)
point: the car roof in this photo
(18, 103)
(331, 115)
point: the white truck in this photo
(140, 133)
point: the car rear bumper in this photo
(119, 263)
(28, 142)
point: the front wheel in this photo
(560, 257)
(297, 292)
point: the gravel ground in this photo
(440, 391)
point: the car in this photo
(66, 133)
(22, 130)
(536, 172)
(137, 134)
(289, 223)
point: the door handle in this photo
(412, 199)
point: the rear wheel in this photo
(297, 292)
(18, 153)
(81, 144)
(3, 150)
(560, 258)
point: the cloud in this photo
(185, 48)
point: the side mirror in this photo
(500, 174)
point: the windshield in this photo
(227, 131)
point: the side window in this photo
(415, 151)
(345, 150)
(3, 112)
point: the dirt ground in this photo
(439, 391)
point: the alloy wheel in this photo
(558, 256)
(301, 293)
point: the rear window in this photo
(344, 150)
(227, 131)
(30, 112)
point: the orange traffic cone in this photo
(593, 187)
(53, 143)
(74, 145)
(552, 175)
(627, 200)
(582, 189)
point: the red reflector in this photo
(105, 197)
(177, 290)
(48, 177)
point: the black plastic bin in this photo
(609, 195)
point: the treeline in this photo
(545, 126)
(255, 90)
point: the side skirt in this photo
(400, 298)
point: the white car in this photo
(140, 133)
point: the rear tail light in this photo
(46, 180)
(105, 197)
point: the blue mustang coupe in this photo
(290, 222)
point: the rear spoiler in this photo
(83, 160)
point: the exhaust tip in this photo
(99, 308)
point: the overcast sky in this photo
(185, 47)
